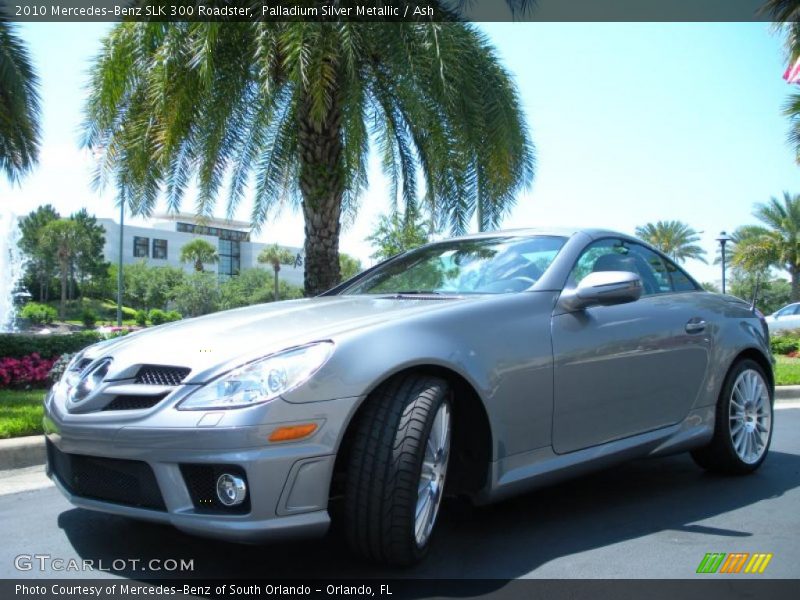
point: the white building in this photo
(161, 243)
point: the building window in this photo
(160, 249)
(141, 247)
(224, 234)
(229, 252)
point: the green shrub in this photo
(58, 368)
(41, 314)
(157, 316)
(174, 315)
(47, 346)
(141, 318)
(88, 318)
(783, 344)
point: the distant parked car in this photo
(482, 367)
(786, 318)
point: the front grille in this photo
(201, 481)
(161, 375)
(128, 482)
(133, 402)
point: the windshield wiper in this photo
(421, 292)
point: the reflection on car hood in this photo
(205, 342)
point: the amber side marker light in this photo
(292, 432)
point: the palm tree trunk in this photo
(322, 187)
(276, 282)
(795, 293)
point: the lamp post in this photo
(119, 263)
(723, 239)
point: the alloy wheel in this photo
(750, 416)
(432, 475)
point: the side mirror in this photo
(603, 288)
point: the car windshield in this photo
(497, 265)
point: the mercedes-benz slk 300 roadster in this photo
(482, 366)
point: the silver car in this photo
(483, 366)
(784, 319)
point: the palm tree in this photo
(19, 106)
(61, 239)
(786, 15)
(199, 252)
(294, 108)
(276, 256)
(777, 244)
(674, 238)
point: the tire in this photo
(743, 423)
(385, 472)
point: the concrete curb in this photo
(17, 453)
(787, 392)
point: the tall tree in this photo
(674, 238)
(775, 244)
(197, 295)
(19, 105)
(276, 256)
(172, 101)
(89, 262)
(41, 264)
(62, 239)
(349, 266)
(199, 252)
(397, 233)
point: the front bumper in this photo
(288, 483)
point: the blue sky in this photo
(632, 123)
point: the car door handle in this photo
(695, 326)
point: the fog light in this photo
(231, 490)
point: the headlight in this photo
(262, 380)
(90, 379)
(72, 373)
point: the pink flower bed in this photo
(26, 371)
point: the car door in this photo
(629, 368)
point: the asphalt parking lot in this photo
(647, 519)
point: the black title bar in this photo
(384, 10)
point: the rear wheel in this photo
(397, 469)
(743, 426)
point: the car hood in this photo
(204, 344)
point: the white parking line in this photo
(23, 480)
(784, 404)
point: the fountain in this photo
(12, 265)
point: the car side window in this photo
(590, 255)
(658, 275)
(789, 310)
(680, 280)
(619, 255)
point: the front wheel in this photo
(743, 426)
(397, 469)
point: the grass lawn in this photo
(787, 370)
(20, 412)
(105, 310)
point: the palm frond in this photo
(20, 111)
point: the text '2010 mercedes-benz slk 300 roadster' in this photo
(482, 366)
